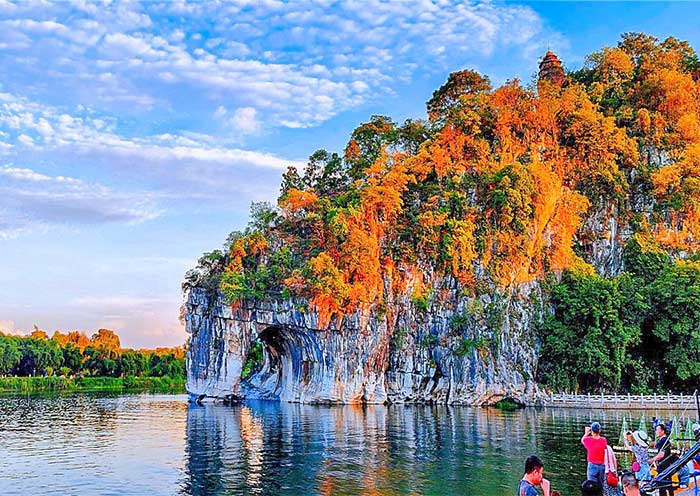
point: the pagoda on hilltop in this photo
(551, 69)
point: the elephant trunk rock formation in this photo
(402, 355)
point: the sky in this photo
(134, 136)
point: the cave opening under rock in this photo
(279, 362)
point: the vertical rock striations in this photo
(461, 351)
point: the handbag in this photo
(636, 467)
(612, 479)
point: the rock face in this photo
(459, 351)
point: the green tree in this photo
(38, 355)
(645, 258)
(460, 92)
(675, 322)
(72, 358)
(325, 173)
(367, 142)
(585, 342)
(10, 354)
(290, 180)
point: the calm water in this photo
(159, 445)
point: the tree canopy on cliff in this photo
(499, 187)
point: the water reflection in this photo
(269, 448)
(158, 445)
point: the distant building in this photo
(551, 69)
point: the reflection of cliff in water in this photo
(272, 448)
(277, 448)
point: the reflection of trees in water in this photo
(270, 448)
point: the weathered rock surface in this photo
(459, 351)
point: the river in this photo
(154, 444)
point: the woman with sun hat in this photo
(638, 443)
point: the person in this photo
(638, 443)
(534, 469)
(591, 488)
(630, 485)
(663, 459)
(595, 445)
(610, 470)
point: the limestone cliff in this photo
(361, 359)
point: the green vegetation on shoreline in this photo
(75, 355)
(34, 384)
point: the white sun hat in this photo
(641, 438)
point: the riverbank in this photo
(31, 384)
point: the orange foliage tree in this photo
(495, 183)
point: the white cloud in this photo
(118, 302)
(310, 62)
(179, 167)
(7, 326)
(243, 122)
(23, 174)
(30, 200)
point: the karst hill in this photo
(437, 260)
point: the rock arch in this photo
(301, 363)
(362, 360)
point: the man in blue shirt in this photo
(534, 469)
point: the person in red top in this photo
(595, 445)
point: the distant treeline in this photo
(74, 354)
(77, 383)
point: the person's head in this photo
(630, 485)
(661, 430)
(591, 488)
(640, 438)
(534, 469)
(595, 428)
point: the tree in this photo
(38, 333)
(79, 339)
(644, 258)
(10, 355)
(675, 322)
(107, 342)
(73, 358)
(366, 144)
(262, 216)
(459, 91)
(38, 355)
(585, 342)
(290, 180)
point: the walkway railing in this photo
(627, 401)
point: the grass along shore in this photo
(31, 384)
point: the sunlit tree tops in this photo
(105, 341)
(492, 189)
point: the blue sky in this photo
(133, 136)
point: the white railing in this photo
(621, 400)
